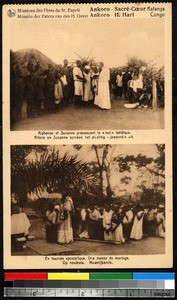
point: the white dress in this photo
(117, 235)
(117, 232)
(129, 217)
(84, 234)
(65, 230)
(103, 97)
(137, 228)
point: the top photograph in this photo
(91, 74)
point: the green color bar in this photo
(110, 276)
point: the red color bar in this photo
(26, 276)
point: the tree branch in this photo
(155, 172)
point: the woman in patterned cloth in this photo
(65, 229)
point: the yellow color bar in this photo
(68, 276)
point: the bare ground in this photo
(94, 118)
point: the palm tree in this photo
(51, 172)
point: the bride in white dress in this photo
(137, 228)
(65, 229)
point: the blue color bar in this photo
(154, 276)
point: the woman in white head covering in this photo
(65, 230)
(137, 228)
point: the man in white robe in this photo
(103, 97)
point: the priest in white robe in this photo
(102, 99)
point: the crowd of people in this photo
(83, 84)
(113, 223)
(131, 84)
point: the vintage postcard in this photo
(87, 138)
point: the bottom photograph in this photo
(100, 199)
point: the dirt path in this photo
(94, 118)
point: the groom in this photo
(78, 83)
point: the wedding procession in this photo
(71, 199)
(113, 223)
